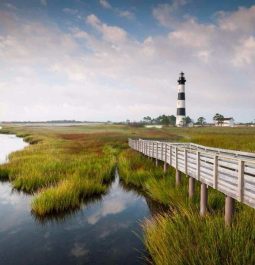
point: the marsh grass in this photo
(60, 170)
(181, 236)
(184, 237)
(65, 166)
(67, 195)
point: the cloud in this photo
(126, 14)
(245, 52)
(105, 4)
(241, 21)
(167, 14)
(121, 13)
(110, 33)
(79, 250)
(70, 11)
(99, 71)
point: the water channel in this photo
(104, 231)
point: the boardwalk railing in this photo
(230, 172)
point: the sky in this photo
(100, 60)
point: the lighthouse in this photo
(181, 110)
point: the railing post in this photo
(170, 155)
(165, 160)
(229, 210)
(178, 173)
(203, 199)
(198, 165)
(186, 161)
(215, 172)
(156, 161)
(152, 150)
(162, 158)
(240, 180)
(191, 187)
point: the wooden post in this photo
(229, 210)
(165, 160)
(156, 161)
(203, 199)
(176, 157)
(152, 151)
(186, 161)
(198, 165)
(191, 187)
(177, 178)
(178, 173)
(170, 155)
(215, 172)
(240, 180)
(162, 158)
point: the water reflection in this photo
(10, 143)
(106, 230)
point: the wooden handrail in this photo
(230, 172)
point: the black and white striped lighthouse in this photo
(181, 110)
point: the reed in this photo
(64, 166)
(60, 169)
(181, 236)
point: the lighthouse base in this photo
(180, 121)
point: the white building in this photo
(226, 122)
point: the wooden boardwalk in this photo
(230, 172)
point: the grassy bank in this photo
(64, 166)
(60, 169)
(181, 236)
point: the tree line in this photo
(171, 120)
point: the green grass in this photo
(60, 169)
(184, 237)
(65, 166)
(67, 195)
(181, 236)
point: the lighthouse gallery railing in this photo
(231, 172)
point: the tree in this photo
(172, 120)
(201, 121)
(163, 119)
(187, 120)
(219, 118)
(147, 119)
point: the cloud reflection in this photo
(114, 203)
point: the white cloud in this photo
(104, 73)
(245, 52)
(242, 20)
(105, 4)
(126, 14)
(167, 14)
(121, 13)
(110, 33)
(70, 11)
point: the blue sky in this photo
(117, 60)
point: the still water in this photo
(104, 231)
